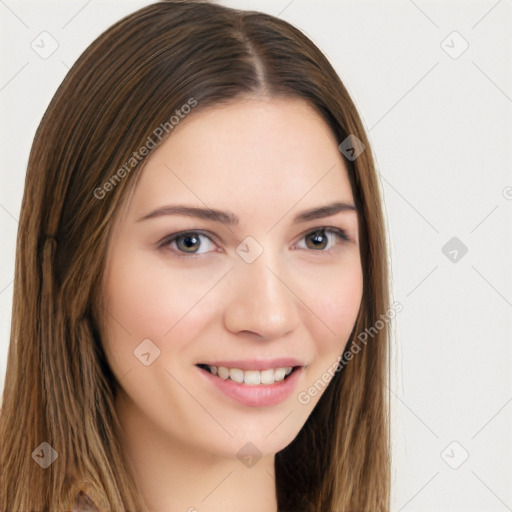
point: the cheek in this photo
(146, 299)
(336, 304)
(334, 296)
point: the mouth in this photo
(253, 383)
(264, 377)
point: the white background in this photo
(441, 130)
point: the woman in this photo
(151, 376)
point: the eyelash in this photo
(165, 243)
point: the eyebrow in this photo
(229, 218)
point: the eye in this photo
(318, 238)
(186, 242)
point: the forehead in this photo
(246, 155)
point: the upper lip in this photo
(256, 364)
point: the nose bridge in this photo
(262, 301)
(266, 279)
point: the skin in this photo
(265, 160)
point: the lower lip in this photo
(261, 395)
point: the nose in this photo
(262, 302)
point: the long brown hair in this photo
(59, 388)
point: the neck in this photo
(175, 476)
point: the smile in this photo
(250, 377)
(252, 387)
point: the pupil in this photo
(317, 237)
(190, 241)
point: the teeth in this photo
(251, 377)
(279, 374)
(222, 372)
(236, 374)
(267, 376)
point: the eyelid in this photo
(340, 233)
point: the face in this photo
(268, 289)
